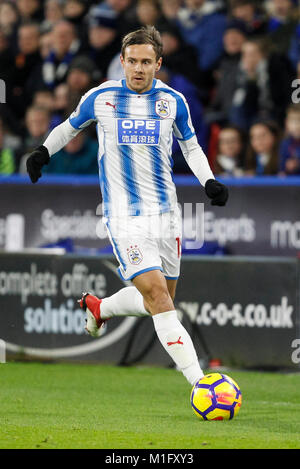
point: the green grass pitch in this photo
(95, 406)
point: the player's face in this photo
(140, 65)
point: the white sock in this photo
(126, 302)
(178, 343)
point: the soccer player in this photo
(136, 118)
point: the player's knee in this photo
(158, 299)
(155, 291)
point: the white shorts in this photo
(144, 243)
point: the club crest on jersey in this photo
(162, 108)
(134, 255)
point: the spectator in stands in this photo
(179, 57)
(125, 11)
(9, 18)
(55, 102)
(262, 157)
(6, 59)
(230, 155)
(7, 75)
(75, 12)
(148, 12)
(45, 45)
(233, 39)
(290, 145)
(202, 30)
(61, 105)
(65, 46)
(7, 162)
(82, 76)
(30, 10)
(104, 39)
(27, 66)
(170, 9)
(262, 86)
(282, 24)
(53, 12)
(37, 122)
(43, 98)
(79, 156)
(253, 17)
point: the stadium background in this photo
(237, 64)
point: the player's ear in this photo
(122, 59)
(158, 64)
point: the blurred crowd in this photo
(236, 61)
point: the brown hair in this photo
(145, 35)
(272, 166)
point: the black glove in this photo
(38, 158)
(217, 192)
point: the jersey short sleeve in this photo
(183, 128)
(84, 114)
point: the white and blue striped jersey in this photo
(135, 133)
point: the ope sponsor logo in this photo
(138, 131)
(138, 124)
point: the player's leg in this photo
(126, 302)
(171, 333)
(153, 288)
(171, 285)
(140, 261)
(135, 253)
(129, 302)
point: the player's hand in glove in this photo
(38, 158)
(217, 192)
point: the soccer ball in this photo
(216, 397)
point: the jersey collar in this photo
(134, 92)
